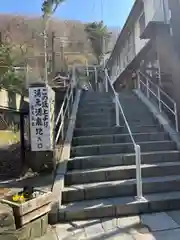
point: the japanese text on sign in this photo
(40, 119)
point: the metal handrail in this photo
(64, 110)
(61, 80)
(137, 147)
(122, 112)
(154, 84)
(158, 96)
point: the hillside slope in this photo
(25, 34)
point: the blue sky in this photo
(114, 12)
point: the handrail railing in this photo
(158, 96)
(137, 147)
(61, 80)
(64, 112)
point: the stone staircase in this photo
(101, 174)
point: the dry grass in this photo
(9, 137)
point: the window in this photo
(142, 23)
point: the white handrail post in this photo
(106, 80)
(138, 172)
(68, 112)
(27, 75)
(74, 75)
(147, 87)
(117, 110)
(159, 99)
(176, 117)
(72, 96)
(96, 78)
(62, 120)
(87, 69)
(138, 81)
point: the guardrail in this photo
(64, 113)
(147, 84)
(137, 147)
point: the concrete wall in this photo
(139, 43)
(149, 10)
(174, 23)
(156, 10)
(168, 49)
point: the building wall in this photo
(165, 41)
(125, 52)
(153, 10)
(123, 55)
(169, 54)
(139, 43)
(156, 10)
(149, 10)
(174, 23)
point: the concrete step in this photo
(120, 188)
(132, 102)
(95, 116)
(93, 100)
(143, 118)
(104, 110)
(114, 130)
(130, 113)
(110, 116)
(114, 148)
(96, 103)
(119, 138)
(106, 122)
(121, 173)
(138, 116)
(143, 121)
(116, 207)
(132, 98)
(133, 111)
(91, 162)
(95, 109)
(95, 106)
(94, 95)
(101, 116)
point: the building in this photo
(150, 42)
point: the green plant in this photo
(13, 82)
(50, 6)
(99, 37)
(6, 60)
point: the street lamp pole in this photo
(46, 21)
(45, 56)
